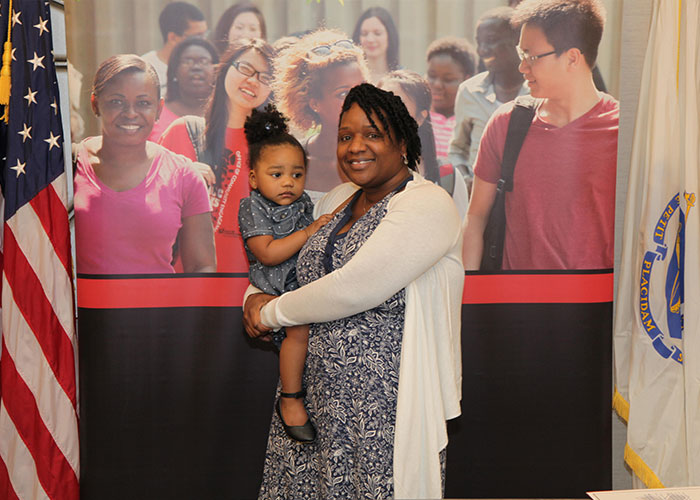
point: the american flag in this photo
(39, 451)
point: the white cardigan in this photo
(417, 246)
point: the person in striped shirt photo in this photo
(451, 60)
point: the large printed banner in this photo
(175, 399)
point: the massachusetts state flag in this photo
(657, 331)
(39, 452)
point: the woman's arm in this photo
(483, 196)
(197, 244)
(271, 252)
(420, 227)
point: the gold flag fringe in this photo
(5, 75)
(621, 406)
(642, 470)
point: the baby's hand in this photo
(317, 224)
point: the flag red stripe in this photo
(129, 293)
(53, 216)
(39, 315)
(6, 490)
(55, 474)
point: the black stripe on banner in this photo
(176, 403)
(536, 402)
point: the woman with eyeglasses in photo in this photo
(217, 142)
(376, 33)
(312, 78)
(190, 82)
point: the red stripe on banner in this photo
(53, 216)
(40, 316)
(6, 490)
(55, 474)
(538, 289)
(135, 293)
(161, 292)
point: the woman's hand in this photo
(251, 314)
(206, 172)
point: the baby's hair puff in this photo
(268, 128)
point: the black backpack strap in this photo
(495, 231)
(520, 121)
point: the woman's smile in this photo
(361, 162)
(248, 92)
(130, 128)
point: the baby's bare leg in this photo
(292, 358)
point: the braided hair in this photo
(392, 113)
(268, 128)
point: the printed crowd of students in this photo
(211, 86)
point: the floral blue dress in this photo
(351, 377)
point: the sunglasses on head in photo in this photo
(324, 50)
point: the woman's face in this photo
(245, 25)
(374, 38)
(368, 155)
(444, 76)
(247, 92)
(336, 83)
(195, 73)
(128, 106)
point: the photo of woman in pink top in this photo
(132, 196)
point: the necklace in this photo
(365, 205)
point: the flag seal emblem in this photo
(671, 252)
